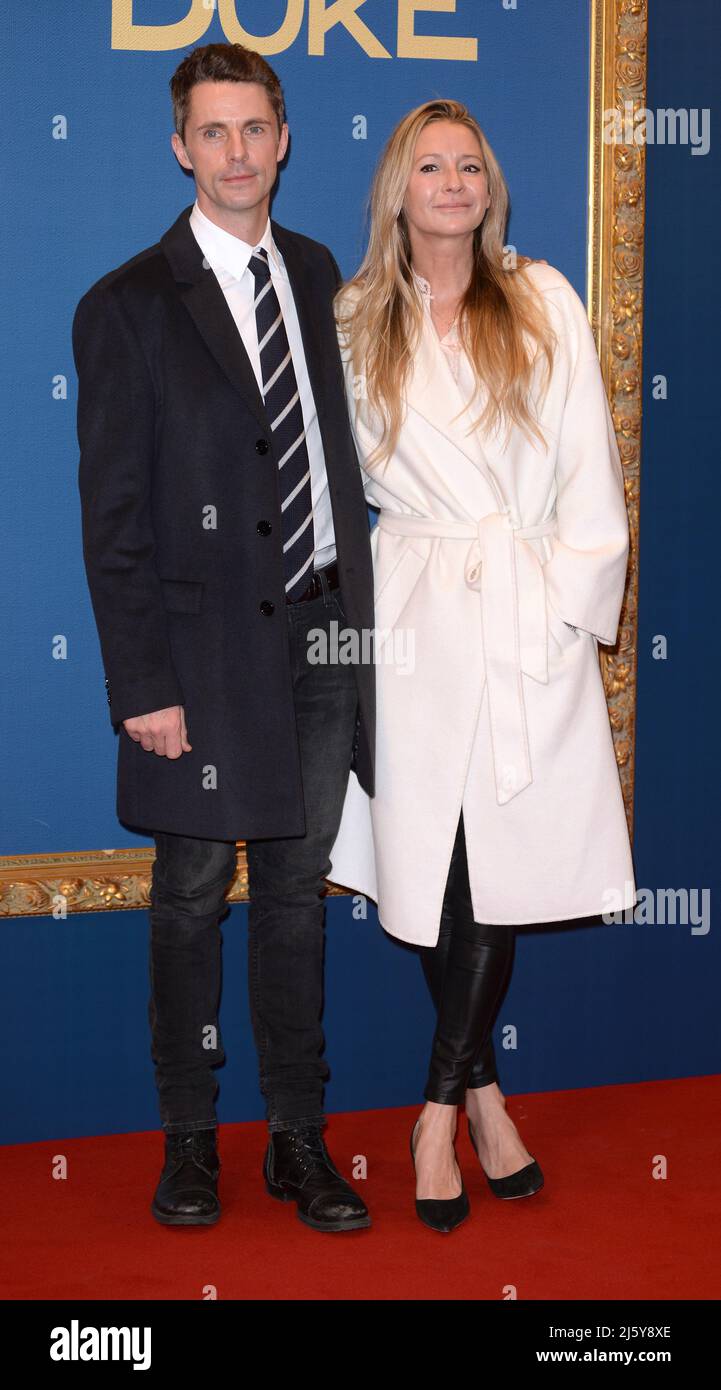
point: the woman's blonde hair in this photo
(382, 326)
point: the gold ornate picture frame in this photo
(614, 297)
(102, 880)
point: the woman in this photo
(500, 555)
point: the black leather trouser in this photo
(468, 973)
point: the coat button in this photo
(264, 528)
(261, 446)
(267, 607)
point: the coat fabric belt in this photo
(508, 577)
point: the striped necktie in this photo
(282, 400)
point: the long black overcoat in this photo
(182, 539)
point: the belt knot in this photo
(509, 579)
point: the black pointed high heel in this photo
(522, 1183)
(440, 1213)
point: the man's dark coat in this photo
(182, 535)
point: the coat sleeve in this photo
(585, 575)
(354, 388)
(116, 432)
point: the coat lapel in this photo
(434, 393)
(206, 304)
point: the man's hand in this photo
(162, 732)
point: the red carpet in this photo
(602, 1227)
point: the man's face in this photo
(233, 147)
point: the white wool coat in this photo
(498, 570)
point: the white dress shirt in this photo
(228, 257)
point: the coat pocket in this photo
(182, 595)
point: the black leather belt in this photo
(315, 588)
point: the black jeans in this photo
(468, 973)
(286, 918)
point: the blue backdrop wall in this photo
(92, 180)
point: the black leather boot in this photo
(187, 1194)
(298, 1168)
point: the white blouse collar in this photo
(422, 284)
(451, 339)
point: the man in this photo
(223, 520)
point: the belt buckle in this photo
(314, 587)
(309, 592)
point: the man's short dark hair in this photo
(222, 62)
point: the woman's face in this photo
(447, 193)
